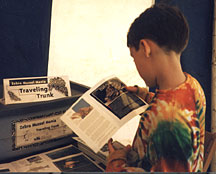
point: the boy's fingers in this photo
(131, 88)
(110, 146)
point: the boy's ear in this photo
(146, 47)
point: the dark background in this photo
(24, 37)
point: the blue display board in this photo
(24, 38)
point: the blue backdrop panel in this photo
(24, 37)
(196, 59)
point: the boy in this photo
(170, 136)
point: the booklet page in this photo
(65, 159)
(101, 111)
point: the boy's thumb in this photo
(128, 147)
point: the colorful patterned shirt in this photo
(172, 129)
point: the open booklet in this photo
(65, 159)
(101, 111)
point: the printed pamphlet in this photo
(65, 159)
(101, 111)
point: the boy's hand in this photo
(141, 92)
(117, 158)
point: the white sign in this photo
(40, 130)
(35, 89)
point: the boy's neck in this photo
(170, 74)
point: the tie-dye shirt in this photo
(172, 129)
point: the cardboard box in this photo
(30, 128)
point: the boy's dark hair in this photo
(163, 24)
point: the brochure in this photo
(102, 111)
(65, 159)
(102, 155)
(35, 89)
